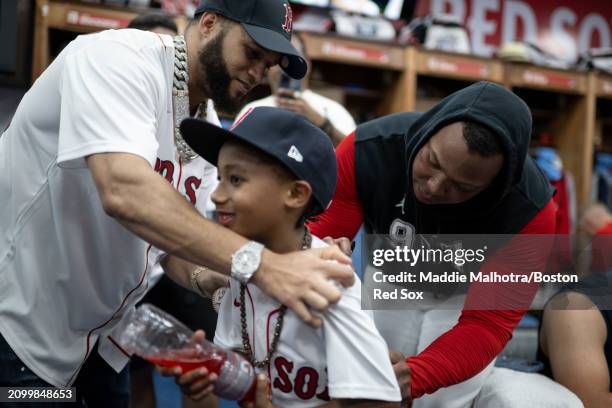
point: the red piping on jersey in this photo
(253, 311)
(240, 119)
(272, 313)
(119, 346)
(87, 350)
(160, 39)
(178, 182)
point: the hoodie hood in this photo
(490, 105)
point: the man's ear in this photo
(299, 194)
(207, 23)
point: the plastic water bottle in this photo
(161, 339)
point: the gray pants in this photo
(411, 331)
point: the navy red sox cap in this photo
(289, 137)
(268, 22)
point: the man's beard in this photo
(218, 79)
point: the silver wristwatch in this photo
(246, 261)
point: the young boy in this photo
(276, 170)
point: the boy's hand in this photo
(262, 394)
(209, 281)
(343, 243)
(196, 384)
(402, 373)
(301, 279)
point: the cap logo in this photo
(288, 25)
(240, 119)
(295, 154)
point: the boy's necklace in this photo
(306, 244)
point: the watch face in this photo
(244, 261)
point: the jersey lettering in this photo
(324, 395)
(191, 185)
(283, 367)
(304, 384)
(165, 168)
(306, 381)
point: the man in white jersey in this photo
(83, 212)
(276, 170)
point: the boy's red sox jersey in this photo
(345, 358)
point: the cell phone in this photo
(286, 82)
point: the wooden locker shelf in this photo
(365, 71)
(332, 48)
(603, 118)
(84, 18)
(547, 79)
(603, 86)
(456, 66)
(568, 114)
(78, 17)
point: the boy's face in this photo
(250, 198)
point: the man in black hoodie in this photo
(460, 168)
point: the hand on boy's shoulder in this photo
(346, 290)
(300, 280)
(343, 243)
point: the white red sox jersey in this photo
(68, 271)
(195, 180)
(345, 358)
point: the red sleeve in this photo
(480, 335)
(345, 215)
(601, 259)
(607, 230)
